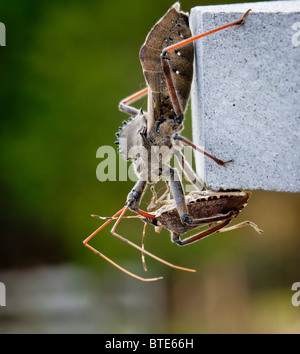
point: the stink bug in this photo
(208, 208)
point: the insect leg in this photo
(134, 199)
(141, 249)
(160, 201)
(242, 224)
(153, 201)
(192, 39)
(85, 242)
(187, 142)
(124, 107)
(156, 202)
(215, 218)
(191, 239)
(129, 217)
(188, 171)
(179, 197)
(172, 91)
(177, 193)
(171, 88)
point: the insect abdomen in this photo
(172, 28)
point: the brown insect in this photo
(208, 208)
(150, 139)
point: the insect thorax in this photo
(149, 152)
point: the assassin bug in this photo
(208, 208)
(150, 139)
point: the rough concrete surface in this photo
(246, 95)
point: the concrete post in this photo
(246, 95)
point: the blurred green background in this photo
(64, 70)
